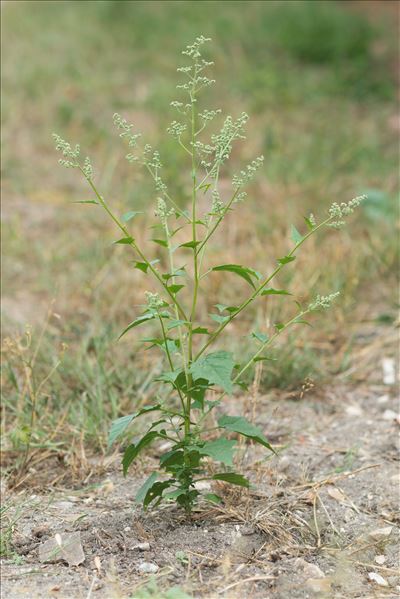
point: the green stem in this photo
(170, 362)
(218, 221)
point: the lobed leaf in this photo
(221, 450)
(216, 368)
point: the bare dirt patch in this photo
(322, 520)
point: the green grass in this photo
(317, 78)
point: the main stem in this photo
(195, 256)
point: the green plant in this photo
(192, 369)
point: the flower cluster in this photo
(193, 50)
(151, 159)
(176, 129)
(162, 211)
(338, 212)
(209, 115)
(195, 80)
(87, 168)
(312, 220)
(217, 206)
(323, 301)
(127, 134)
(70, 154)
(222, 141)
(154, 301)
(246, 175)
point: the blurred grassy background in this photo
(319, 82)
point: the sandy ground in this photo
(321, 521)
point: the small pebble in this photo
(127, 529)
(389, 415)
(142, 546)
(148, 568)
(375, 577)
(380, 559)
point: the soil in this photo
(321, 520)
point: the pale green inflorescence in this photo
(339, 211)
(312, 219)
(323, 301)
(162, 211)
(154, 301)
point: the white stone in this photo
(354, 410)
(378, 579)
(389, 415)
(380, 559)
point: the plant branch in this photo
(257, 292)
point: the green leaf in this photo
(143, 266)
(169, 376)
(125, 241)
(141, 494)
(308, 223)
(200, 331)
(218, 318)
(272, 291)
(279, 326)
(213, 498)
(180, 272)
(176, 323)
(138, 321)
(190, 244)
(221, 450)
(85, 202)
(261, 337)
(216, 368)
(175, 288)
(161, 242)
(173, 457)
(156, 491)
(144, 318)
(119, 426)
(241, 271)
(128, 215)
(223, 307)
(132, 451)
(286, 259)
(301, 321)
(240, 425)
(233, 478)
(295, 235)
